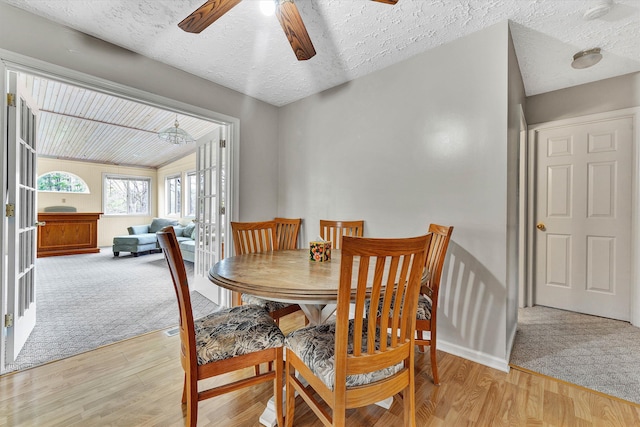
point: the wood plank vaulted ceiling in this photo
(79, 124)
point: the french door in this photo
(213, 188)
(20, 211)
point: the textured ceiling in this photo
(248, 52)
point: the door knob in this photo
(40, 224)
(541, 227)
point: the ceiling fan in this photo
(287, 14)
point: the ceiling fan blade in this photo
(206, 14)
(387, 1)
(294, 28)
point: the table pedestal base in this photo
(269, 419)
(318, 314)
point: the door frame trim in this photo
(3, 222)
(524, 294)
(634, 114)
(23, 64)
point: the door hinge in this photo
(11, 99)
(223, 143)
(222, 210)
(10, 210)
(8, 320)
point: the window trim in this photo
(178, 199)
(187, 193)
(107, 175)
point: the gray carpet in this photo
(87, 301)
(593, 352)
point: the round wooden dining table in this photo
(286, 276)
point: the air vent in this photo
(172, 332)
(598, 10)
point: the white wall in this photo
(611, 94)
(35, 37)
(418, 142)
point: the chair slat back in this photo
(287, 230)
(334, 230)
(385, 270)
(435, 259)
(169, 244)
(252, 237)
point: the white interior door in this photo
(22, 117)
(212, 190)
(583, 217)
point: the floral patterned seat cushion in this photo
(234, 332)
(424, 308)
(268, 305)
(315, 346)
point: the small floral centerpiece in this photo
(320, 250)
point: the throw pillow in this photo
(159, 223)
(188, 230)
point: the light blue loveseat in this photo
(186, 240)
(142, 238)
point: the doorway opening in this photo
(604, 198)
(547, 337)
(85, 109)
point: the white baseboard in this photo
(475, 356)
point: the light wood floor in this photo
(139, 383)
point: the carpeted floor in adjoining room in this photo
(590, 351)
(90, 300)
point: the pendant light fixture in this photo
(175, 135)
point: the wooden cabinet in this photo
(67, 233)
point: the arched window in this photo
(62, 182)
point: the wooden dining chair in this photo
(259, 236)
(251, 237)
(354, 363)
(287, 230)
(225, 341)
(334, 230)
(428, 299)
